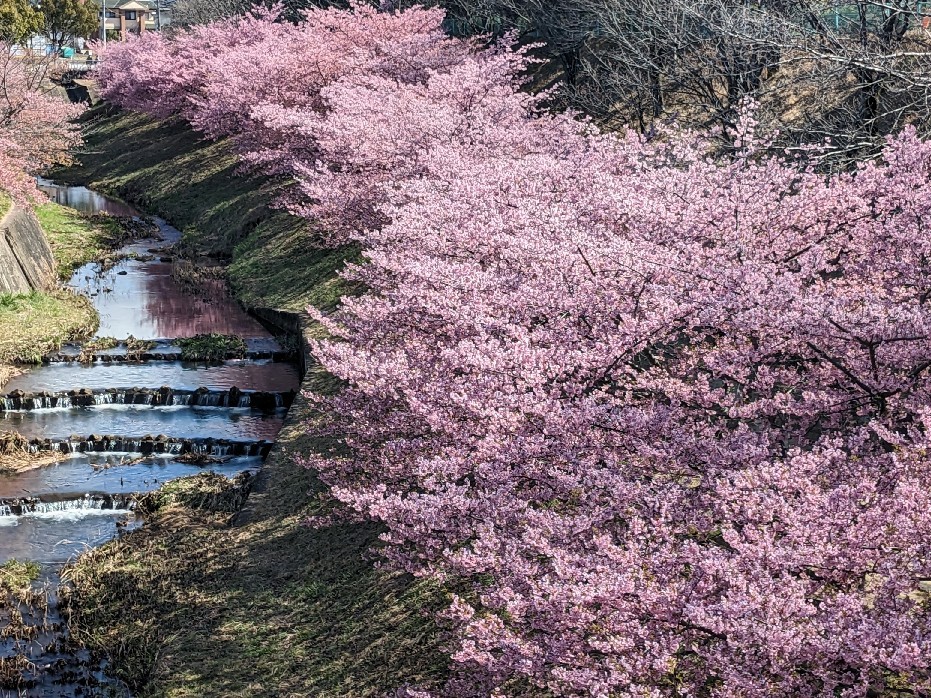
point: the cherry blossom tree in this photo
(36, 127)
(658, 420)
(667, 416)
(217, 76)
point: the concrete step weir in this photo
(146, 445)
(50, 506)
(201, 397)
(257, 349)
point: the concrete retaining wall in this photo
(292, 323)
(26, 261)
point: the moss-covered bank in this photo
(201, 604)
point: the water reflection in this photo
(245, 375)
(139, 420)
(85, 200)
(136, 297)
(143, 300)
(110, 473)
(45, 538)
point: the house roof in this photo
(132, 5)
(145, 4)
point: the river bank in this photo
(35, 323)
(215, 401)
(200, 602)
(169, 171)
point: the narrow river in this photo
(49, 514)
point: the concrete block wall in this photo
(26, 261)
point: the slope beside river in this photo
(206, 599)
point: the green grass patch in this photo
(212, 347)
(134, 347)
(77, 238)
(101, 344)
(15, 575)
(5, 203)
(34, 324)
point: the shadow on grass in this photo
(190, 606)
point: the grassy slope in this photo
(33, 324)
(168, 170)
(188, 606)
(75, 239)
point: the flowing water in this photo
(121, 425)
(141, 420)
(247, 375)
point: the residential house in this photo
(135, 16)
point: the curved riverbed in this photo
(49, 514)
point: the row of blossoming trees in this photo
(661, 419)
(36, 120)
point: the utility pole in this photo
(103, 22)
(158, 15)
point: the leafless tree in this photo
(850, 71)
(185, 13)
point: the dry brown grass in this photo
(16, 457)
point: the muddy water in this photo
(49, 514)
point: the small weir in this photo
(124, 422)
(147, 445)
(176, 421)
(257, 349)
(113, 473)
(163, 397)
(51, 508)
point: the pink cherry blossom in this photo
(36, 127)
(660, 418)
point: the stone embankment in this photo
(26, 261)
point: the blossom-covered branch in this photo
(36, 121)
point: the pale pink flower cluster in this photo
(36, 121)
(662, 418)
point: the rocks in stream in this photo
(165, 354)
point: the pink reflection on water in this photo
(143, 300)
(245, 375)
